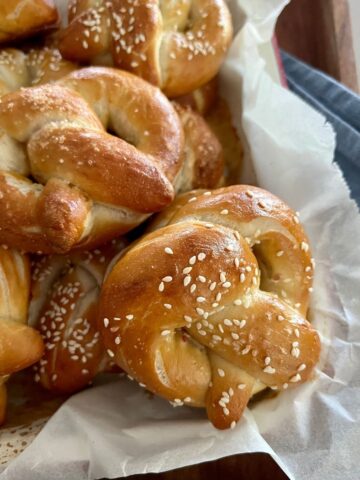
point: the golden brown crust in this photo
(63, 308)
(92, 186)
(177, 46)
(196, 297)
(203, 165)
(20, 345)
(23, 18)
(201, 100)
(39, 66)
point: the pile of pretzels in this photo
(125, 245)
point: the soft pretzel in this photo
(203, 99)
(20, 345)
(22, 18)
(63, 307)
(92, 185)
(203, 165)
(177, 45)
(210, 307)
(39, 66)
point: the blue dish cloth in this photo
(340, 106)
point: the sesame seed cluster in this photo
(65, 314)
(155, 40)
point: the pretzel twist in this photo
(20, 345)
(22, 18)
(63, 307)
(92, 186)
(210, 306)
(177, 45)
(38, 66)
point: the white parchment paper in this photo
(313, 432)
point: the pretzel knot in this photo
(210, 307)
(63, 307)
(91, 186)
(177, 45)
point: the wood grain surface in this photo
(319, 33)
(255, 466)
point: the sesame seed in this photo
(187, 399)
(165, 332)
(224, 212)
(297, 305)
(246, 350)
(226, 285)
(296, 378)
(295, 352)
(110, 353)
(207, 193)
(242, 277)
(223, 277)
(129, 317)
(249, 193)
(201, 256)
(237, 302)
(267, 360)
(187, 280)
(200, 299)
(221, 372)
(215, 304)
(262, 204)
(201, 278)
(242, 323)
(237, 262)
(192, 288)
(192, 260)
(200, 311)
(202, 332)
(187, 318)
(228, 322)
(285, 386)
(301, 367)
(209, 225)
(269, 369)
(216, 338)
(280, 253)
(169, 251)
(241, 386)
(220, 327)
(187, 270)
(161, 287)
(235, 336)
(226, 411)
(117, 340)
(233, 425)
(168, 306)
(297, 332)
(310, 289)
(106, 322)
(304, 246)
(280, 318)
(167, 279)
